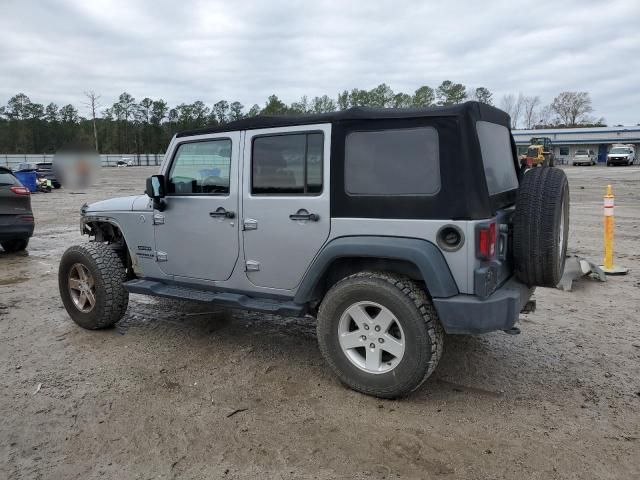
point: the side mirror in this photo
(155, 191)
(155, 187)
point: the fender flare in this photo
(422, 253)
(91, 218)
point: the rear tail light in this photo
(20, 190)
(26, 218)
(486, 244)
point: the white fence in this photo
(139, 159)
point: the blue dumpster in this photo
(28, 179)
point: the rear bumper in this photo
(16, 231)
(471, 314)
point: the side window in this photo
(289, 164)
(392, 162)
(201, 168)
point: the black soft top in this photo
(463, 194)
(479, 111)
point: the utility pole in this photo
(92, 104)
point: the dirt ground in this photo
(180, 390)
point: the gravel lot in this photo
(184, 391)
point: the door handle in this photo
(222, 213)
(302, 214)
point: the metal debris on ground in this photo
(577, 267)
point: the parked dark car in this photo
(42, 169)
(16, 217)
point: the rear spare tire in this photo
(541, 227)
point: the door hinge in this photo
(250, 224)
(158, 219)
(252, 266)
(161, 256)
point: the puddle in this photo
(13, 281)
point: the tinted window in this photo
(392, 162)
(497, 157)
(7, 178)
(201, 168)
(287, 164)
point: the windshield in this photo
(620, 150)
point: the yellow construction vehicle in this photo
(540, 152)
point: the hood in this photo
(113, 204)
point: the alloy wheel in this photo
(82, 287)
(371, 337)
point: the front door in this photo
(197, 233)
(286, 217)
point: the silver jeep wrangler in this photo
(390, 227)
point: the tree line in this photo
(147, 125)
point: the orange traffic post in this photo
(609, 225)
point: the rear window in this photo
(7, 178)
(581, 152)
(392, 162)
(497, 157)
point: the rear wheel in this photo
(15, 245)
(90, 279)
(379, 333)
(541, 226)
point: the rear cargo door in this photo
(502, 178)
(11, 204)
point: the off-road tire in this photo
(424, 335)
(108, 273)
(539, 251)
(15, 245)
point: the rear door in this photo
(286, 217)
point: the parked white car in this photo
(585, 157)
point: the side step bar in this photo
(225, 299)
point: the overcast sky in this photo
(53, 50)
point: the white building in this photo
(567, 140)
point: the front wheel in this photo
(90, 279)
(380, 334)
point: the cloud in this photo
(182, 51)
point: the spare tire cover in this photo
(541, 227)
